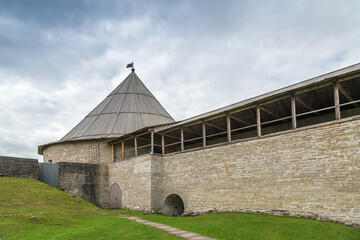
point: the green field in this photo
(233, 225)
(87, 222)
(78, 219)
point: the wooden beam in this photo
(240, 120)
(228, 125)
(293, 111)
(272, 114)
(346, 95)
(113, 152)
(122, 150)
(135, 146)
(214, 126)
(272, 99)
(306, 106)
(336, 101)
(311, 88)
(350, 77)
(191, 131)
(152, 142)
(169, 136)
(182, 139)
(163, 144)
(269, 112)
(258, 121)
(145, 139)
(204, 133)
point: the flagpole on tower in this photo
(131, 65)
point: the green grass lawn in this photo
(89, 222)
(233, 225)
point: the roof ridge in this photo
(96, 116)
(118, 114)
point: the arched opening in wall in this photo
(174, 205)
(115, 196)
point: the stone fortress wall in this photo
(19, 167)
(312, 172)
(293, 151)
(85, 180)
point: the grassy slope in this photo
(29, 196)
(255, 226)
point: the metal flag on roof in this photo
(129, 107)
(130, 65)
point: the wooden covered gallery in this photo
(330, 97)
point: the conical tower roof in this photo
(130, 107)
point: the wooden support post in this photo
(122, 150)
(228, 124)
(204, 133)
(182, 139)
(337, 101)
(152, 142)
(258, 121)
(293, 111)
(163, 144)
(113, 153)
(135, 147)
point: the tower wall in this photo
(89, 151)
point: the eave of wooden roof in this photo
(338, 74)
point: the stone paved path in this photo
(175, 231)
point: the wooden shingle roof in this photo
(129, 107)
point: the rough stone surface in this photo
(134, 178)
(19, 167)
(313, 173)
(89, 151)
(88, 181)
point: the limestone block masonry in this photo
(313, 172)
(19, 167)
(134, 178)
(88, 181)
(86, 151)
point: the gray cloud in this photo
(59, 59)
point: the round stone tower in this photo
(129, 107)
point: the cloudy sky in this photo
(59, 59)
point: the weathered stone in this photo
(19, 167)
(85, 181)
(89, 151)
(312, 172)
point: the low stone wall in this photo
(88, 181)
(19, 167)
